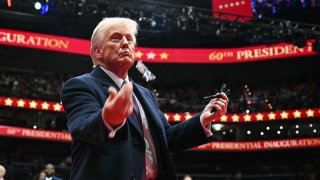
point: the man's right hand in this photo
(118, 105)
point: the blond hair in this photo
(100, 30)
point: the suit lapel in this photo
(103, 78)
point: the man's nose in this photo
(125, 43)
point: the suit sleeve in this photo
(83, 111)
(184, 135)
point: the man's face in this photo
(49, 170)
(117, 50)
(42, 175)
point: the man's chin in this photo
(126, 61)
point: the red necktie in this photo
(150, 154)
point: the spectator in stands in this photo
(2, 172)
(40, 176)
(117, 129)
(50, 172)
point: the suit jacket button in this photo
(135, 141)
(132, 177)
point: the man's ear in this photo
(98, 53)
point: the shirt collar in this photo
(114, 77)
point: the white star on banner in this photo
(151, 55)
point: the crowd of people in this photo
(269, 8)
(48, 173)
(28, 172)
(255, 97)
(22, 164)
(30, 85)
(244, 98)
(38, 168)
(33, 119)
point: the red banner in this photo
(226, 146)
(261, 145)
(43, 41)
(236, 7)
(34, 133)
(177, 117)
(158, 55)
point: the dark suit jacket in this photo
(97, 157)
(55, 178)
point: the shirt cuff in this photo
(111, 130)
(207, 129)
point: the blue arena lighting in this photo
(45, 8)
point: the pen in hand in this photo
(218, 95)
(222, 89)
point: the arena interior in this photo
(266, 52)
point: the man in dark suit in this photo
(117, 129)
(50, 172)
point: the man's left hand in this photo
(219, 104)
